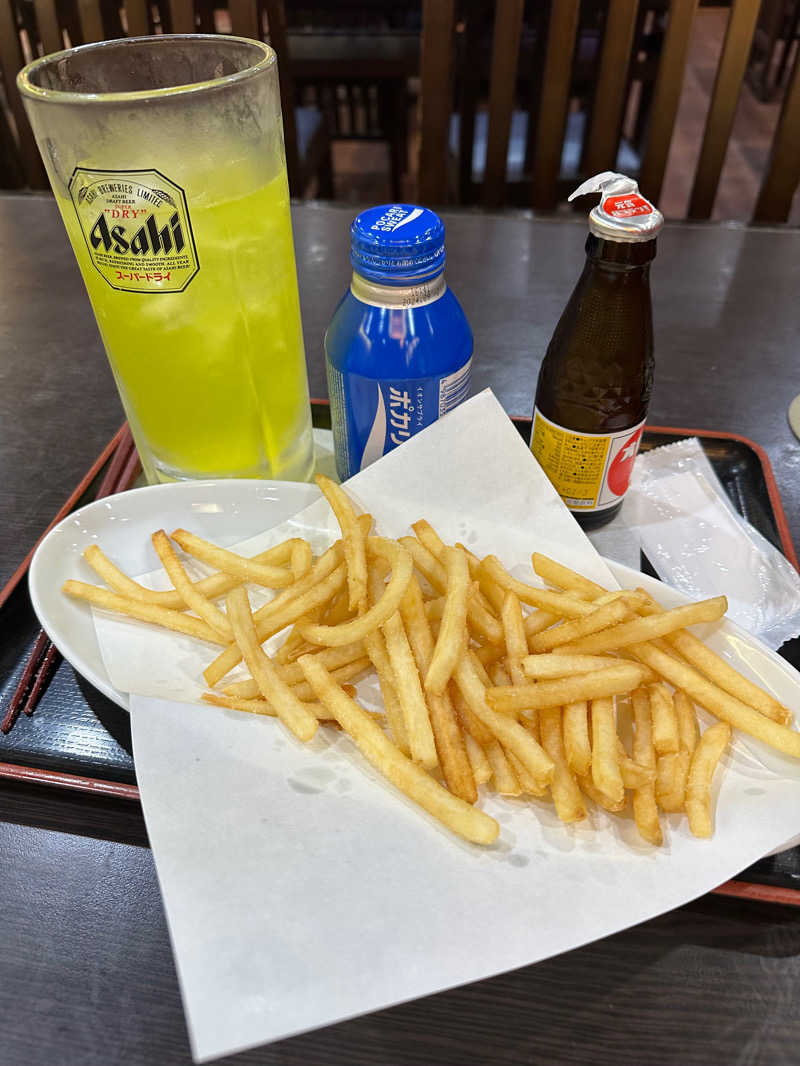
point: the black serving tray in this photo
(79, 739)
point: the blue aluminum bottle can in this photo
(398, 351)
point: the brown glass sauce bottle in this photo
(597, 375)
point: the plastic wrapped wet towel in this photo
(678, 511)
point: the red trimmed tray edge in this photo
(119, 790)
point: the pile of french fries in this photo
(486, 680)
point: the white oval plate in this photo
(229, 511)
(225, 511)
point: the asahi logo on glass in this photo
(136, 227)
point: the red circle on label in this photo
(619, 474)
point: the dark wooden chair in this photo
(360, 80)
(777, 28)
(57, 22)
(605, 116)
(354, 59)
(486, 37)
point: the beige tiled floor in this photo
(748, 148)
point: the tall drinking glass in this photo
(166, 158)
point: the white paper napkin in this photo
(470, 474)
(301, 889)
(679, 513)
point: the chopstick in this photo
(44, 658)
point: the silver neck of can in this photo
(397, 297)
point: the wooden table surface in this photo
(86, 973)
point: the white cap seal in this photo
(623, 214)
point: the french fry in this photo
(489, 653)
(514, 636)
(426, 562)
(483, 623)
(729, 680)
(561, 577)
(498, 675)
(480, 765)
(469, 721)
(718, 671)
(375, 746)
(428, 536)
(588, 787)
(509, 732)
(431, 540)
(212, 587)
(642, 629)
(336, 610)
(577, 747)
(452, 633)
(331, 658)
(296, 644)
(645, 810)
(633, 598)
(601, 618)
(145, 612)
(355, 555)
(377, 614)
(633, 775)
(450, 743)
(479, 668)
(605, 754)
(611, 681)
(527, 782)
(471, 683)
(537, 622)
(516, 649)
(555, 665)
(322, 568)
(297, 648)
(505, 780)
(665, 721)
(375, 647)
(434, 609)
(492, 594)
(688, 730)
(331, 613)
(301, 559)
(558, 603)
(291, 711)
(319, 589)
(409, 693)
(701, 771)
(304, 692)
(718, 702)
(671, 774)
(260, 706)
(193, 599)
(296, 680)
(268, 623)
(271, 577)
(566, 795)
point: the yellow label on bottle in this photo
(136, 227)
(590, 471)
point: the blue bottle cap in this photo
(397, 243)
